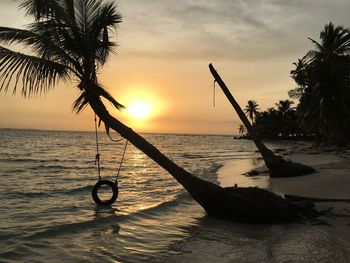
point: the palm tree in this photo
(284, 106)
(241, 129)
(299, 74)
(334, 41)
(323, 79)
(277, 166)
(251, 110)
(267, 124)
(70, 40)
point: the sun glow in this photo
(139, 110)
(143, 107)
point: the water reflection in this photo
(233, 173)
(215, 240)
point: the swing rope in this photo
(214, 93)
(100, 183)
(114, 140)
(97, 157)
(121, 161)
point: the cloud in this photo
(245, 30)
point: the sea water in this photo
(47, 213)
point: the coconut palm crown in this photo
(251, 109)
(68, 40)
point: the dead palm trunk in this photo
(276, 165)
(252, 205)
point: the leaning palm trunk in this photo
(276, 165)
(252, 205)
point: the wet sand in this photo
(332, 180)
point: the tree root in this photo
(289, 169)
(258, 206)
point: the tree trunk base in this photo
(290, 169)
(256, 206)
(298, 198)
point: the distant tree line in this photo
(323, 93)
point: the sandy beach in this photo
(332, 180)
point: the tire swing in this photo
(98, 185)
(102, 183)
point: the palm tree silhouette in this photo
(334, 41)
(323, 79)
(70, 41)
(284, 106)
(277, 166)
(241, 129)
(251, 110)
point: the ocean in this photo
(47, 213)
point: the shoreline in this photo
(332, 180)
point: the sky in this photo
(164, 48)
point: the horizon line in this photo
(165, 133)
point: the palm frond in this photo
(311, 56)
(44, 9)
(10, 35)
(296, 93)
(80, 103)
(318, 46)
(91, 90)
(102, 92)
(342, 46)
(37, 75)
(106, 18)
(45, 44)
(57, 41)
(50, 14)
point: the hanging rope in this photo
(100, 183)
(121, 161)
(114, 140)
(214, 93)
(97, 157)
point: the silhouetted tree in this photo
(241, 129)
(280, 123)
(251, 110)
(277, 166)
(284, 106)
(323, 76)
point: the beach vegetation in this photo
(322, 111)
(323, 79)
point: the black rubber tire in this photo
(96, 198)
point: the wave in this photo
(192, 156)
(109, 215)
(83, 189)
(29, 160)
(74, 191)
(51, 193)
(58, 167)
(28, 194)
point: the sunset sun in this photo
(139, 109)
